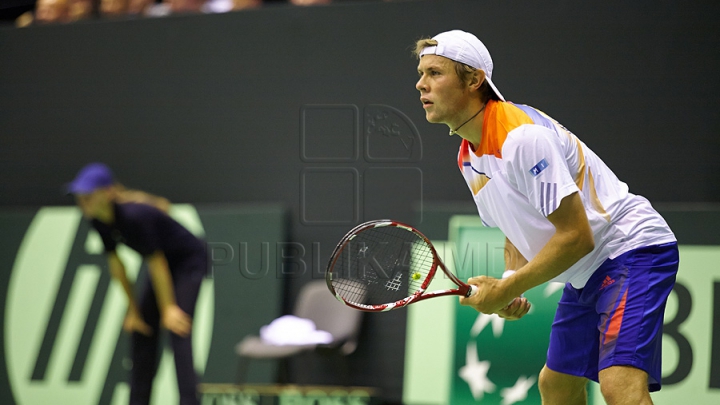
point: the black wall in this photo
(207, 108)
(315, 108)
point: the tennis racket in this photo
(383, 265)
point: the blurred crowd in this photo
(66, 11)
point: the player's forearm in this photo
(562, 251)
(161, 280)
(118, 273)
(572, 240)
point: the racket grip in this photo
(473, 289)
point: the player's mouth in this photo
(426, 103)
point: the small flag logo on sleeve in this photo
(539, 167)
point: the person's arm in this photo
(519, 306)
(133, 320)
(513, 258)
(173, 318)
(572, 240)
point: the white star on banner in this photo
(483, 320)
(474, 373)
(517, 392)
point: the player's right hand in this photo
(135, 323)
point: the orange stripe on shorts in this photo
(616, 321)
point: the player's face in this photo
(443, 95)
(95, 204)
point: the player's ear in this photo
(477, 79)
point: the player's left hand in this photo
(176, 320)
(518, 308)
(490, 297)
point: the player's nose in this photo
(421, 85)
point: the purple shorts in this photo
(617, 318)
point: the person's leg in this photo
(625, 385)
(186, 376)
(186, 292)
(562, 389)
(572, 353)
(631, 317)
(144, 350)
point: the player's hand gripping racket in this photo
(382, 265)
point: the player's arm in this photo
(519, 306)
(572, 240)
(133, 320)
(513, 258)
(118, 273)
(173, 318)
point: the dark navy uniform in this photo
(147, 230)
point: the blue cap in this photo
(90, 178)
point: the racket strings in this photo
(381, 265)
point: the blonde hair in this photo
(125, 195)
(464, 72)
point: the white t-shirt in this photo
(527, 163)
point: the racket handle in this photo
(473, 289)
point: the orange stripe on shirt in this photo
(500, 118)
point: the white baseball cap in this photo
(464, 47)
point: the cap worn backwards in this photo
(466, 48)
(90, 178)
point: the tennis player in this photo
(176, 262)
(566, 218)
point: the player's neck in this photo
(471, 130)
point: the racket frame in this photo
(463, 289)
